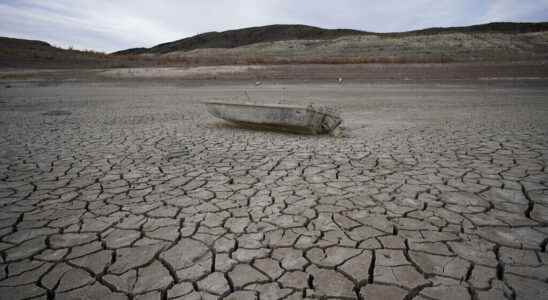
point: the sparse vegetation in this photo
(441, 48)
(275, 33)
(296, 44)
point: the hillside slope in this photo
(438, 48)
(299, 44)
(245, 36)
(22, 53)
(274, 33)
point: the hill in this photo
(274, 33)
(18, 53)
(245, 36)
(300, 44)
(436, 48)
(496, 27)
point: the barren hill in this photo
(29, 53)
(301, 44)
(274, 33)
(246, 36)
(437, 48)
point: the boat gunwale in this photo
(308, 108)
(274, 105)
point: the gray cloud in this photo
(114, 25)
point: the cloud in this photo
(511, 10)
(82, 25)
(114, 25)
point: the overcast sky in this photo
(114, 25)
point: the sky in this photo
(106, 25)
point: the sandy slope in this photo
(457, 47)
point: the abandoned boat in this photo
(312, 119)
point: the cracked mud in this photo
(133, 191)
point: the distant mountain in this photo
(272, 33)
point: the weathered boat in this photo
(313, 119)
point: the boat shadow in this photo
(251, 127)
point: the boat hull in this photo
(301, 119)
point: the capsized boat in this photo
(313, 119)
